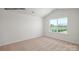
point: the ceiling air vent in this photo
(14, 8)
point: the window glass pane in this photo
(53, 21)
(59, 25)
(62, 25)
(62, 21)
(53, 25)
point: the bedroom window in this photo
(59, 25)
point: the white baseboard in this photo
(76, 43)
(7, 43)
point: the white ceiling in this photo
(41, 12)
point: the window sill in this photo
(59, 33)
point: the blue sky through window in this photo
(54, 21)
(61, 21)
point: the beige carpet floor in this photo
(41, 44)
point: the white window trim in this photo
(57, 29)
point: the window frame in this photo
(57, 24)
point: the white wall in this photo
(73, 25)
(16, 26)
